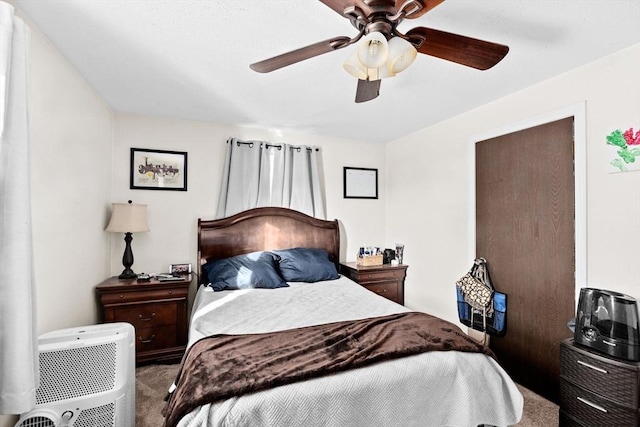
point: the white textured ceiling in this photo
(190, 58)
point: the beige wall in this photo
(428, 186)
(173, 215)
(70, 134)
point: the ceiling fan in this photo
(384, 51)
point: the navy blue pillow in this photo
(252, 270)
(306, 265)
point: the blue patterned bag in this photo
(491, 319)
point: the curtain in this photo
(18, 328)
(258, 174)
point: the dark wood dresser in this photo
(596, 390)
(157, 310)
(386, 280)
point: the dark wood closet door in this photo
(525, 229)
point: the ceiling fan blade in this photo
(427, 5)
(301, 54)
(367, 90)
(456, 48)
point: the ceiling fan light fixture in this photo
(359, 71)
(384, 72)
(401, 55)
(373, 50)
(353, 66)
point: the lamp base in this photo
(127, 274)
(127, 260)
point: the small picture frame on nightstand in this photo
(180, 268)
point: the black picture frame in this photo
(180, 268)
(360, 183)
(158, 170)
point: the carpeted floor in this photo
(152, 384)
(153, 381)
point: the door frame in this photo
(578, 111)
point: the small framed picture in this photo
(360, 183)
(180, 268)
(158, 170)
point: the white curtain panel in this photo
(240, 178)
(18, 329)
(259, 174)
(301, 190)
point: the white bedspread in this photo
(430, 389)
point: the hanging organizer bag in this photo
(480, 306)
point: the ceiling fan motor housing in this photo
(381, 16)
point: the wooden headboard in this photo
(265, 229)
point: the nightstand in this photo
(386, 280)
(157, 310)
(597, 390)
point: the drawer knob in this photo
(381, 291)
(146, 341)
(590, 366)
(121, 296)
(147, 319)
(593, 405)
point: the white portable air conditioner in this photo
(87, 378)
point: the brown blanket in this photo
(221, 366)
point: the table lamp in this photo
(128, 218)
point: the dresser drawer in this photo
(148, 315)
(566, 421)
(593, 410)
(161, 337)
(388, 290)
(597, 374)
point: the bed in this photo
(434, 388)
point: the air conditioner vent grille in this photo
(74, 372)
(100, 416)
(37, 421)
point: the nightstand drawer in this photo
(149, 339)
(148, 315)
(388, 290)
(126, 296)
(592, 409)
(377, 276)
(385, 280)
(158, 311)
(599, 375)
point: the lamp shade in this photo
(128, 218)
(401, 55)
(373, 50)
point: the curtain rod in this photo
(267, 146)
